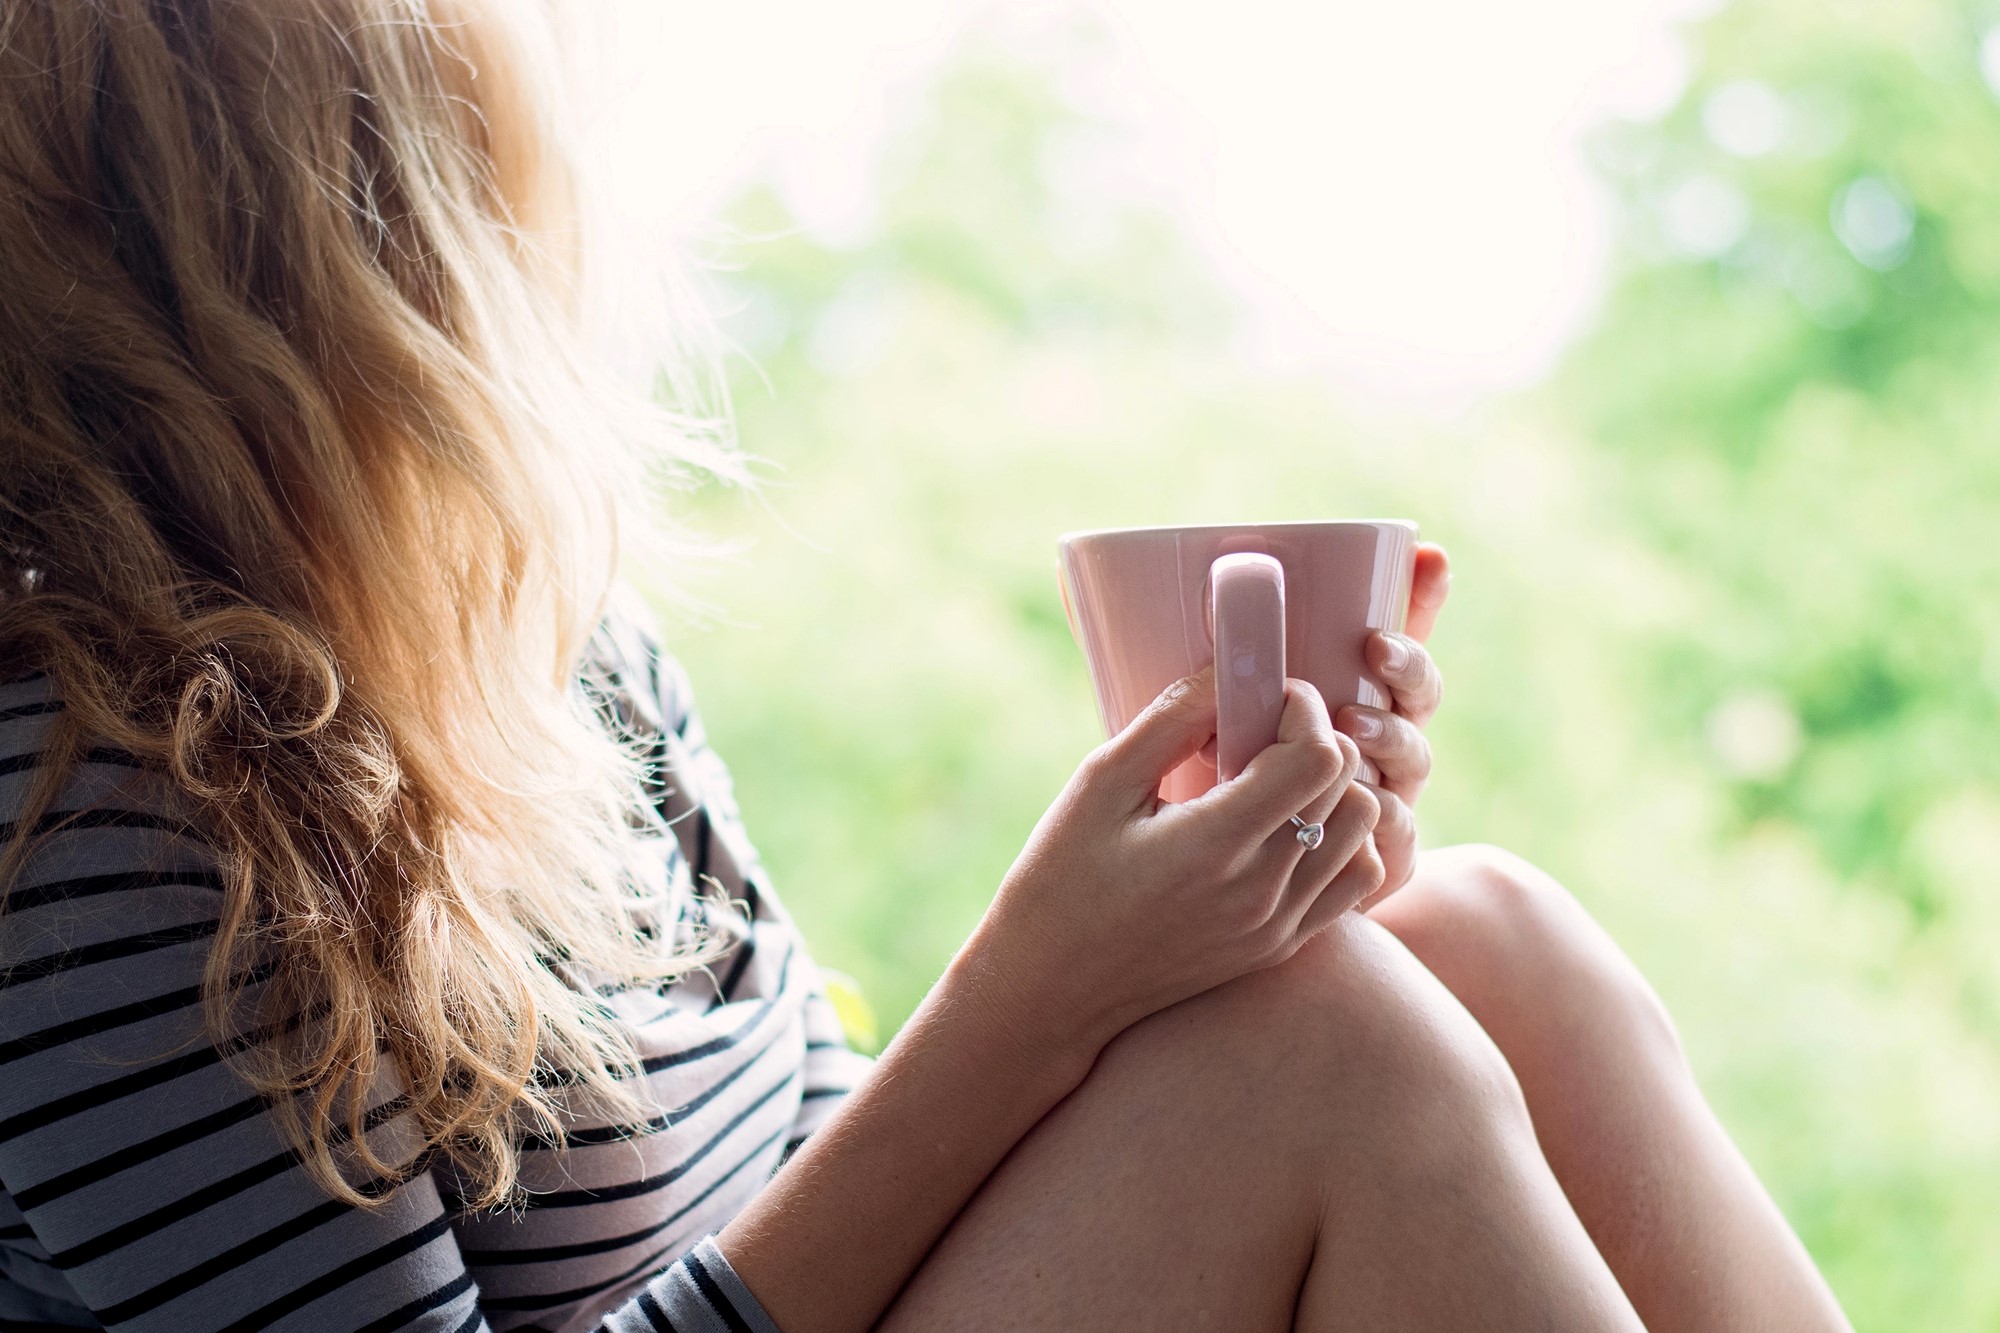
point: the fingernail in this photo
(1366, 726)
(1397, 655)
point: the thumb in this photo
(1168, 730)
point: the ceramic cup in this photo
(1262, 600)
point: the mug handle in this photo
(1247, 613)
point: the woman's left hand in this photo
(1393, 739)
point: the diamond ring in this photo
(1309, 834)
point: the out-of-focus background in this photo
(1678, 324)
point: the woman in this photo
(380, 947)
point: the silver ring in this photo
(1309, 834)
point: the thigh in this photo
(1331, 1144)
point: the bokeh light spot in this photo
(1704, 216)
(1875, 221)
(1755, 735)
(1746, 118)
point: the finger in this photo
(1351, 877)
(1395, 744)
(1348, 823)
(1307, 759)
(1356, 883)
(1278, 855)
(1395, 840)
(1428, 588)
(1166, 732)
(1407, 672)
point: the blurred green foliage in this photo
(1723, 648)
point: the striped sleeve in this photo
(143, 1185)
(699, 1294)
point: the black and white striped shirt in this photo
(144, 1186)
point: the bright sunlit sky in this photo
(1398, 190)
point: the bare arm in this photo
(829, 1243)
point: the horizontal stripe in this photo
(61, 1108)
(551, 1299)
(590, 1138)
(27, 896)
(145, 1150)
(334, 1279)
(655, 1064)
(48, 965)
(547, 1254)
(41, 708)
(208, 1196)
(651, 1184)
(96, 1025)
(99, 1023)
(67, 821)
(423, 1305)
(564, 1298)
(18, 763)
(201, 1274)
(705, 1049)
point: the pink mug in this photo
(1262, 600)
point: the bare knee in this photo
(1523, 954)
(1349, 1048)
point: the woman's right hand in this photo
(1122, 904)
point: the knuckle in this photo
(1395, 819)
(1313, 702)
(1360, 803)
(1420, 756)
(1369, 868)
(1330, 759)
(1254, 906)
(1337, 762)
(1095, 765)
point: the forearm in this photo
(828, 1244)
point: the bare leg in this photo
(1678, 1214)
(1330, 1144)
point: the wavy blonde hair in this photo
(310, 499)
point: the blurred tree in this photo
(1794, 381)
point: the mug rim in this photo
(1080, 534)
